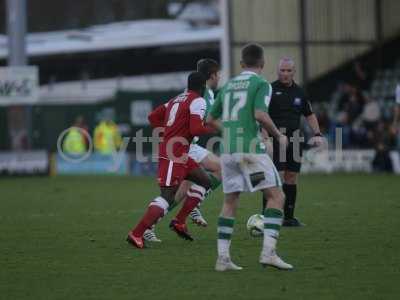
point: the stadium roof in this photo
(122, 35)
(98, 90)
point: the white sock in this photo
(269, 243)
(223, 247)
(161, 203)
(272, 224)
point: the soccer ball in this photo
(255, 225)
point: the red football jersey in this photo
(177, 135)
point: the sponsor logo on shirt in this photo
(278, 93)
(297, 101)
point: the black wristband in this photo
(318, 134)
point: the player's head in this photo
(197, 82)
(286, 70)
(210, 69)
(252, 57)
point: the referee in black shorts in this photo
(288, 104)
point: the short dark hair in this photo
(207, 67)
(196, 82)
(253, 55)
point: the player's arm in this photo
(157, 116)
(197, 111)
(264, 135)
(266, 122)
(214, 123)
(215, 113)
(312, 121)
(261, 103)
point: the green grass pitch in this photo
(64, 238)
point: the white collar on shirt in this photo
(249, 72)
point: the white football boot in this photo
(150, 235)
(197, 217)
(270, 258)
(225, 263)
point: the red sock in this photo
(151, 216)
(188, 206)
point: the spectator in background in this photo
(18, 132)
(382, 161)
(380, 135)
(75, 142)
(361, 77)
(344, 91)
(107, 138)
(81, 123)
(354, 105)
(361, 119)
(396, 117)
(351, 100)
(342, 122)
(364, 127)
(371, 113)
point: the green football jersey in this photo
(235, 105)
(209, 97)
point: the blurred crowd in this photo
(357, 114)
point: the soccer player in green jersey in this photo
(208, 160)
(242, 106)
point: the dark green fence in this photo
(50, 120)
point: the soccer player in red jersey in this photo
(182, 118)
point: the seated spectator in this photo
(382, 134)
(361, 76)
(342, 123)
(323, 120)
(354, 105)
(371, 113)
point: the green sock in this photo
(215, 182)
(225, 231)
(172, 206)
(272, 222)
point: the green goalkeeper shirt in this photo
(235, 105)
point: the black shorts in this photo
(292, 161)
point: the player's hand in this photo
(283, 141)
(317, 141)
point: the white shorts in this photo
(198, 153)
(238, 170)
